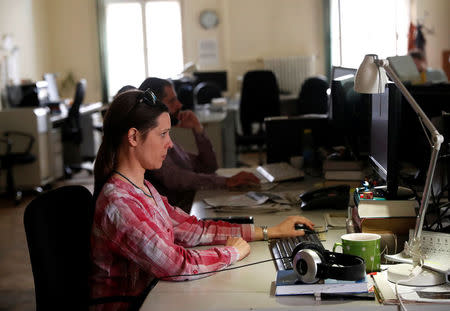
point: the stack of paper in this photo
(385, 292)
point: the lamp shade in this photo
(370, 78)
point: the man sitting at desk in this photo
(183, 173)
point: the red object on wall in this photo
(411, 37)
(446, 62)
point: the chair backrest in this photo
(58, 226)
(313, 97)
(260, 98)
(71, 128)
(204, 92)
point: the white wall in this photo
(61, 35)
(435, 15)
(25, 21)
(249, 30)
(74, 43)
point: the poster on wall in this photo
(208, 52)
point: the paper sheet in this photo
(409, 294)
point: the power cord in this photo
(223, 270)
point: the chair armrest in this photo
(8, 144)
(17, 133)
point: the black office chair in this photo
(72, 134)
(11, 157)
(313, 97)
(204, 92)
(260, 98)
(58, 226)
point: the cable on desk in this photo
(226, 269)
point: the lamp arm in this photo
(412, 102)
(437, 139)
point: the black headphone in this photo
(312, 263)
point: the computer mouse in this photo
(304, 228)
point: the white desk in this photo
(46, 148)
(84, 109)
(252, 288)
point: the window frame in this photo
(336, 43)
(101, 20)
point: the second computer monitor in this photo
(219, 78)
(350, 113)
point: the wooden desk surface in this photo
(251, 288)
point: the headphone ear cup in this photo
(309, 245)
(307, 260)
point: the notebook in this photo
(281, 171)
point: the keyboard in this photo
(282, 248)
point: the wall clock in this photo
(209, 19)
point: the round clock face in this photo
(209, 19)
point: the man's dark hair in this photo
(124, 89)
(156, 85)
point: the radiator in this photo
(291, 71)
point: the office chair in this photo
(204, 92)
(260, 98)
(72, 134)
(313, 97)
(10, 158)
(58, 227)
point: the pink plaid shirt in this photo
(134, 241)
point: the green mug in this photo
(364, 245)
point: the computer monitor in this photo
(52, 87)
(399, 145)
(217, 77)
(337, 72)
(350, 114)
(280, 149)
(28, 95)
(414, 145)
(384, 137)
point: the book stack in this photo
(338, 172)
(288, 284)
(382, 216)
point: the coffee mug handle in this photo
(336, 245)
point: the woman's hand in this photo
(287, 227)
(240, 244)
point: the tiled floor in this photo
(16, 279)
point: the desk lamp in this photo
(371, 79)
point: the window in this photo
(142, 39)
(360, 27)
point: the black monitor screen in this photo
(350, 114)
(379, 134)
(217, 77)
(384, 137)
(337, 72)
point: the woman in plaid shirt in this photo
(137, 235)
